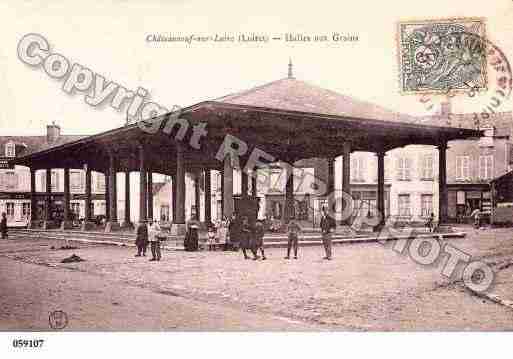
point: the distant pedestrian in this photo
(327, 225)
(258, 238)
(192, 236)
(293, 230)
(477, 218)
(3, 226)
(141, 239)
(154, 236)
(222, 233)
(430, 222)
(234, 230)
(211, 237)
(246, 239)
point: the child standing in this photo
(293, 230)
(211, 237)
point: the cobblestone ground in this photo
(366, 286)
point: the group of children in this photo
(217, 235)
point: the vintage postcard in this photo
(187, 166)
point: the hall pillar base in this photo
(112, 226)
(48, 225)
(66, 225)
(34, 224)
(378, 227)
(127, 225)
(87, 226)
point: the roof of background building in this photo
(502, 121)
(35, 143)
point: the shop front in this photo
(463, 199)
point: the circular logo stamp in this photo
(58, 319)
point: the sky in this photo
(109, 37)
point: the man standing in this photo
(293, 230)
(327, 225)
(259, 240)
(154, 238)
(3, 226)
(141, 239)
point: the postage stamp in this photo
(440, 55)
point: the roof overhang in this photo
(282, 133)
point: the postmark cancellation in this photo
(437, 56)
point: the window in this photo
(55, 181)
(427, 167)
(426, 205)
(164, 213)
(75, 209)
(218, 182)
(9, 209)
(10, 180)
(10, 149)
(77, 181)
(274, 179)
(404, 205)
(25, 210)
(100, 182)
(486, 167)
(463, 168)
(357, 169)
(403, 169)
(388, 168)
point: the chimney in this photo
(53, 132)
(445, 108)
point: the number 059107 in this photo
(27, 343)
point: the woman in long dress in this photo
(192, 236)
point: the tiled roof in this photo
(29, 144)
(290, 94)
(502, 121)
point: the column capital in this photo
(442, 145)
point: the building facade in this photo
(15, 180)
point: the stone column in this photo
(33, 199)
(228, 206)
(143, 188)
(107, 197)
(221, 171)
(254, 188)
(127, 223)
(442, 183)
(150, 195)
(330, 186)
(87, 223)
(180, 189)
(112, 224)
(243, 184)
(346, 177)
(197, 203)
(381, 190)
(208, 197)
(173, 198)
(47, 224)
(66, 223)
(289, 194)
